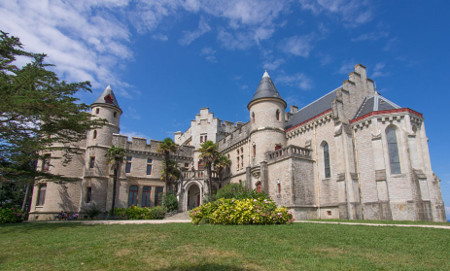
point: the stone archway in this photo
(193, 197)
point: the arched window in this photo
(278, 115)
(394, 159)
(326, 160)
(253, 117)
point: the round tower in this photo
(99, 140)
(266, 110)
(105, 107)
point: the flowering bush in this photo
(10, 215)
(241, 212)
(134, 212)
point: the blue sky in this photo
(167, 59)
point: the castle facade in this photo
(351, 154)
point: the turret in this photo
(99, 140)
(267, 119)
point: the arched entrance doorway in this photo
(193, 199)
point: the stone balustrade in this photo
(290, 150)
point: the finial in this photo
(266, 74)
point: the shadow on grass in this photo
(204, 266)
(33, 226)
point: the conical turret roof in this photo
(266, 89)
(107, 97)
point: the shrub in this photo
(157, 212)
(92, 211)
(241, 212)
(170, 203)
(120, 212)
(237, 191)
(10, 215)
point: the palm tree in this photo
(209, 153)
(173, 174)
(166, 147)
(220, 165)
(115, 156)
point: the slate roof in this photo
(313, 109)
(375, 103)
(266, 89)
(107, 97)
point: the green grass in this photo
(406, 222)
(301, 246)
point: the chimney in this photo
(293, 109)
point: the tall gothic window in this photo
(146, 196)
(41, 195)
(132, 195)
(394, 159)
(326, 160)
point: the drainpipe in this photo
(357, 172)
(317, 170)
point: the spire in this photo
(266, 89)
(107, 97)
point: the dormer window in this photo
(109, 99)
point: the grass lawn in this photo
(301, 246)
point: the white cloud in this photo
(298, 45)
(273, 65)
(209, 54)
(351, 12)
(299, 80)
(378, 70)
(160, 37)
(190, 36)
(347, 66)
(83, 43)
(373, 36)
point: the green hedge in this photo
(134, 212)
(10, 215)
(241, 212)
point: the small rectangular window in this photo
(41, 195)
(128, 168)
(46, 162)
(149, 161)
(129, 158)
(132, 195)
(146, 196)
(88, 194)
(92, 162)
(149, 169)
(97, 111)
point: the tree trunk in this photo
(114, 190)
(166, 181)
(208, 169)
(25, 198)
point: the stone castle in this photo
(351, 154)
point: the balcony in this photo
(289, 151)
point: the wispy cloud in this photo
(83, 46)
(298, 45)
(209, 54)
(190, 36)
(378, 70)
(347, 66)
(160, 37)
(350, 12)
(373, 36)
(299, 80)
(274, 64)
